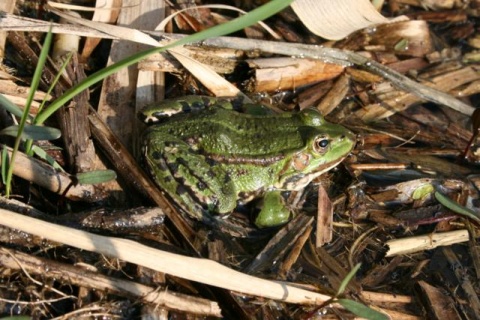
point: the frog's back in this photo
(226, 132)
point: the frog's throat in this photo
(298, 182)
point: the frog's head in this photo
(326, 145)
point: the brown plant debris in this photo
(405, 203)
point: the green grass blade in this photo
(348, 278)
(95, 177)
(33, 132)
(258, 14)
(5, 164)
(362, 310)
(455, 207)
(55, 80)
(10, 107)
(42, 154)
(240, 23)
(29, 143)
(35, 81)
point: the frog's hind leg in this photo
(155, 112)
(188, 177)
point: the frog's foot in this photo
(188, 177)
(274, 211)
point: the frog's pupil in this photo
(323, 143)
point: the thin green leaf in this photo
(455, 207)
(35, 81)
(348, 278)
(33, 132)
(37, 75)
(401, 45)
(29, 143)
(5, 164)
(94, 177)
(42, 154)
(55, 80)
(240, 23)
(362, 310)
(10, 107)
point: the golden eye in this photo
(321, 144)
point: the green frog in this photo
(209, 157)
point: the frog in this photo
(210, 157)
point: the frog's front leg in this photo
(274, 211)
(187, 176)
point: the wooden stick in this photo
(46, 176)
(426, 242)
(195, 269)
(30, 264)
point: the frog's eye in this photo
(321, 144)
